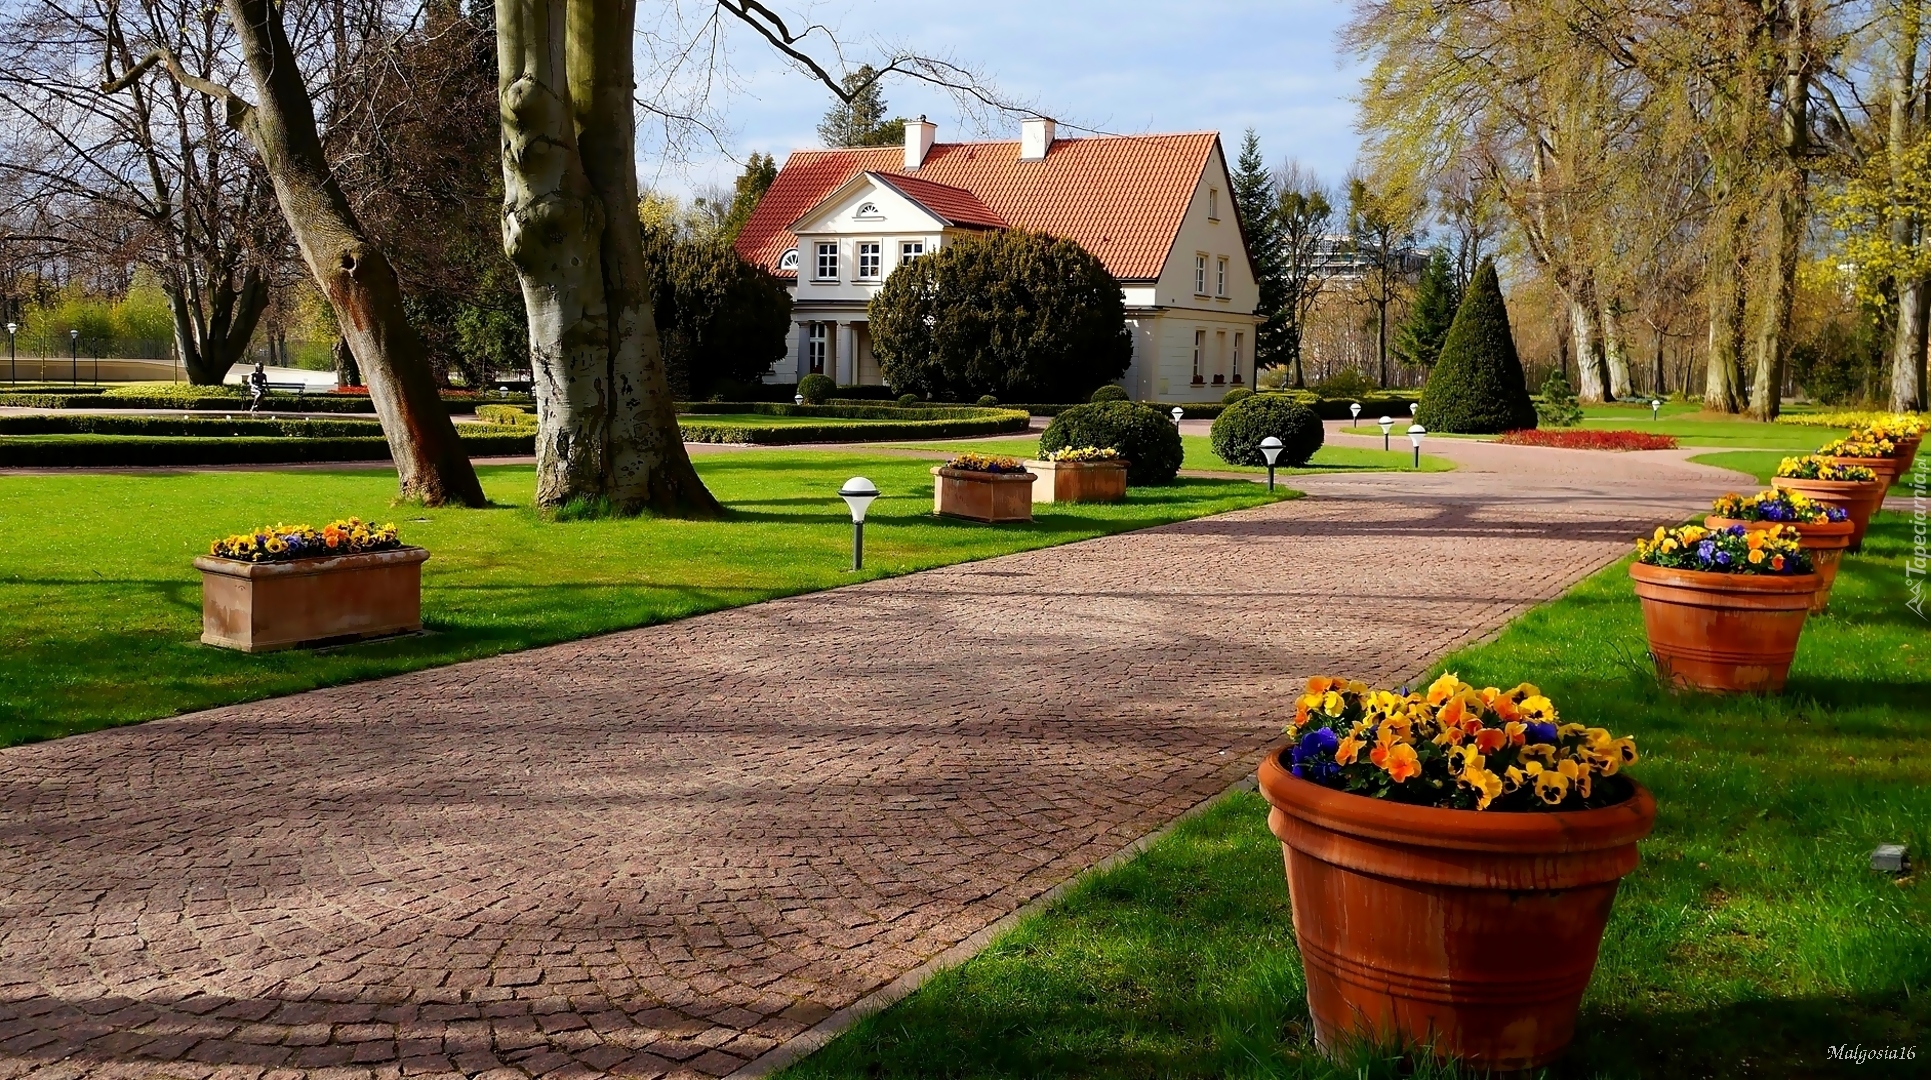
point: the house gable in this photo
(864, 204)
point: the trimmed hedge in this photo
(1477, 387)
(1145, 436)
(110, 451)
(510, 415)
(816, 388)
(302, 403)
(1109, 392)
(1238, 433)
(196, 427)
(984, 422)
(838, 410)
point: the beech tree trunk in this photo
(1589, 366)
(1615, 350)
(1723, 370)
(212, 344)
(1908, 345)
(354, 274)
(606, 424)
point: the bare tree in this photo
(1381, 230)
(1304, 221)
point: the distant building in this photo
(1157, 210)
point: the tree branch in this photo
(239, 112)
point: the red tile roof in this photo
(952, 205)
(1121, 197)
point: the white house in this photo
(1156, 209)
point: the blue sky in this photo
(1127, 67)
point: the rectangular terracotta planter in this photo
(982, 496)
(1079, 481)
(261, 607)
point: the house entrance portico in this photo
(836, 344)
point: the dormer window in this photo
(868, 212)
(789, 260)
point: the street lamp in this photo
(858, 494)
(1414, 407)
(1270, 449)
(1354, 411)
(1655, 409)
(1178, 412)
(1415, 432)
(73, 357)
(1387, 424)
(797, 399)
(13, 372)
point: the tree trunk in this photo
(346, 373)
(1908, 344)
(1659, 385)
(1723, 369)
(1615, 350)
(353, 272)
(607, 427)
(1589, 367)
(212, 342)
(1789, 213)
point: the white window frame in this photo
(909, 250)
(1213, 204)
(789, 260)
(1220, 277)
(1199, 273)
(875, 251)
(1199, 346)
(817, 341)
(827, 257)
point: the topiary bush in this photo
(1109, 392)
(504, 414)
(1236, 395)
(1477, 387)
(987, 401)
(1238, 432)
(1141, 433)
(1558, 406)
(908, 400)
(816, 388)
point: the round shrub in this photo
(1237, 394)
(816, 388)
(1141, 433)
(987, 401)
(1477, 387)
(1237, 432)
(908, 400)
(1109, 392)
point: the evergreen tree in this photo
(1258, 202)
(861, 122)
(758, 174)
(1418, 340)
(1477, 386)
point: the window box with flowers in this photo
(1422, 834)
(983, 488)
(287, 586)
(1724, 607)
(1823, 529)
(1079, 474)
(1853, 487)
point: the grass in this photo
(1200, 457)
(1762, 464)
(100, 606)
(1752, 937)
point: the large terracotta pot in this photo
(1734, 633)
(1886, 468)
(1907, 453)
(1078, 481)
(982, 496)
(261, 607)
(1860, 499)
(1471, 932)
(1826, 542)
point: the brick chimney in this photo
(918, 141)
(1035, 138)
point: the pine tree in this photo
(1418, 340)
(1257, 201)
(1477, 387)
(861, 122)
(758, 174)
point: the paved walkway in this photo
(667, 851)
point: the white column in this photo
(801, 355)
(847, 355)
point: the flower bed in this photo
(1783, 507)
(285, 586)
(983, 488)
(1815, 467)
(1588, 439)
(1409, 904)
(1844, 418)
(1079, 474)
(1724, 608)
(280, 543)
(1082, 454)
(985, 463)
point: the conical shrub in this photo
(1477, 387)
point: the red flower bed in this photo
(1589, 439)
(363, 390)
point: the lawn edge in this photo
(821, 1034)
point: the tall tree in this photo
(1258, 203)
(1304, 219)
(1418, 340)
(860, 121)
(1381, 231)
(760, 171)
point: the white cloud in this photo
(1219, 65)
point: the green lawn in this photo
(1752, 937)
(100, 605)
(1200, 456)
(1762, 464)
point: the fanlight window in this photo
(868, 211)
(789, 260)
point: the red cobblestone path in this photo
(666, 851)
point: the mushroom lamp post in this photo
(73, 357)
(797, 399)
(1354, 412)
(13, 373)
(1387, 424)
(1270, 449)
(1415, 432)
(1414, 408)
(1655, 408)
(858, 494)
(1178, 412)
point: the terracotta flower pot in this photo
(261, 607)
(982, 496)
(1886, 468)
(1734, 633)
(1860, 499)
(1826, 542)
(1078, 481)
(1907, 453)
(1473, 932)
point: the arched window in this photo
(789, 260)
(868, 212)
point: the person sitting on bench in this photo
(257, 387)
